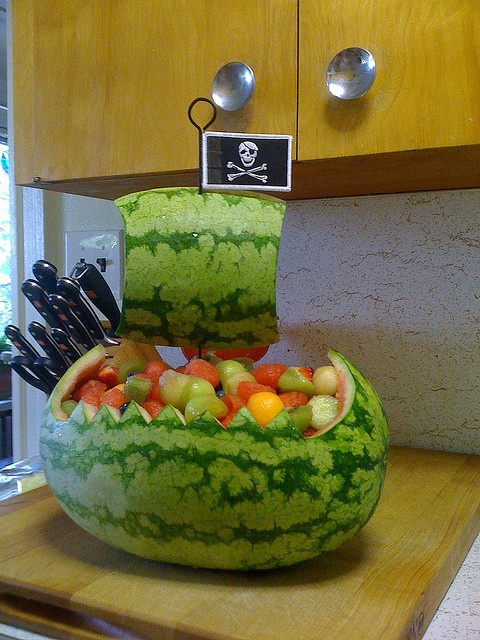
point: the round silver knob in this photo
(233, 86)
(351, 73)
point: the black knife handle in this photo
(17, 338)
(46, 274)
(22, 366)
(45, 370)
(98, 291)
(70, 289)
(48, 344)
(66, 344)
(37, 295)
(71, 322)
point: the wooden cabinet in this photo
(425, 93)
(419, 125)
(102, 89)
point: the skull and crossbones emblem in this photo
(248, 152)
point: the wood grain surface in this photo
(399, 172)
(419, 99)
(103, 88)
(384, 584)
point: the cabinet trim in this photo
(400, 172)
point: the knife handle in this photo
(70, 289)
(72, 323)
(46, 274)
(37, 295)
(45, 370)
(22, 366)
(48, 344)
(66, 344)
(17, 338)
(98, 291)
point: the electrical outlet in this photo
(104, 249)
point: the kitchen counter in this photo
(458, 615)
(386, 583)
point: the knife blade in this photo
(66, 344)
(71, 322)
(17, 338)
(48, 344)
(22, 366)
(98, 291)
(71, 290)
(37, 295)
(46, 274)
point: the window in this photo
(5, 246)
(5, 310)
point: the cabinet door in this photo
(103, 88)
(425, 95)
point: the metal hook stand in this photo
(201, 131)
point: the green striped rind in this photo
(200, 268)
(241, 498)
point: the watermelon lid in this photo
(200, 268)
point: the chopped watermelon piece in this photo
(109, 375)
(155, 368)
(153, 406)
(114, 398)
(268, 374)
(246, 389)
(92, 388)
(292, 399)
(203, 369)
(234, 404)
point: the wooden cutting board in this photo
(386, 583)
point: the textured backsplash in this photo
(393, 282)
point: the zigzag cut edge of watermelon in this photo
(240, 498)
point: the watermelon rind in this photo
(200, 268)
(239, 498)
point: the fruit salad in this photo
(310, 396)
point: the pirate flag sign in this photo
(246, 161)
